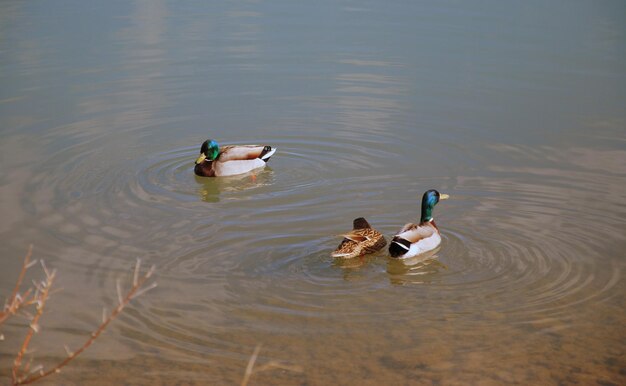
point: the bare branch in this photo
(37, 285)
(150, 272)
(120, 297)
(270, 365)
(45, 269)
(34, 324)
(16, 301)
(124, 299)
(144, 290)
(248, 373)
(37, 368)
(136, 275)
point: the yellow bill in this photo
(200, 159)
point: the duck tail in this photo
(399, 247)
(360, 223)
(267, 152)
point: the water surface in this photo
(515, 110)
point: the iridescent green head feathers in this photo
(209, 150)
(429, 200)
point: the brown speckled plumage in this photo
(361, 240)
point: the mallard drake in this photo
(230, 160)
(414, 239)
(361, 240)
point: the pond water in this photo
(514, 109)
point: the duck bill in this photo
(444, 196)
(200, 159)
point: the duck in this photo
(415, 239)
(361, 240)
(216, 161)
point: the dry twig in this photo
(17, 301)
(43, 290)
(270, 365)
(248, 373)
(22, 374)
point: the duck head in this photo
(208, 151)
(429, 200)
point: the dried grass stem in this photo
(21, 372)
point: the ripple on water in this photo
(255, 248)
(518, 251)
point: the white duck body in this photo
(413, 240)
(232, 168)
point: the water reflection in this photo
(421, 269)
(210, 189)
(353, 263)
